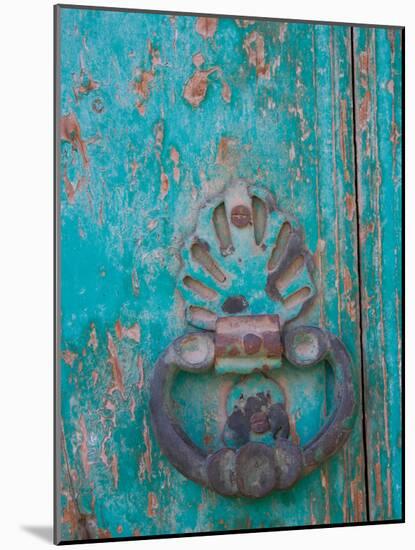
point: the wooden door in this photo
(158, 114)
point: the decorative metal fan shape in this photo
(246, 257)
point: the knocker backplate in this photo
(242, 241)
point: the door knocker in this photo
(246, 330)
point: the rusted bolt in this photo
(240, 215)
(235, 304)
(259, 422)
(252, 343)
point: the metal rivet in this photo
(252, 343)
(240, 216)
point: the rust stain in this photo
(356, 492)
(114, 470)
(84, 446)
(326, 486)
(343, 136)
(226, 151)
(351, 309)
(350, 206)
(196, 87)
(198, 60)
(134, 167)
(364, 62)
(378, 483)
(94, 377)
(164, 188)
(103, 454)
(104, 534)
(69, 357)
(254, 46)
(152, 505)
(395, 134)
(366, 230)
(175, 157)
(71, 132)
(357, 499)
(72, 189)
(93, 340)
(347, 280)
(142, 86)
(389, 491)
(140, 383)
(364, 110)
(116, 368)
(132, 407)
(146, 459)
(71, 515)
(226, 92)
(348, 287)
(206, 26)
(133, 332)
(154, 54)
(87, 84)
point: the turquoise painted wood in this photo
(157, 114)
(379, 142)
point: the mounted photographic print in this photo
(228, 274)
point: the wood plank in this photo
(134, 173)
(378, 82)
(337, 253)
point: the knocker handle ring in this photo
(255, 469)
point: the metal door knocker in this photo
(246, 274)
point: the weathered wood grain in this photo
(378, 77)
(158, 113)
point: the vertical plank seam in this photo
(362, 362)
(403, 272)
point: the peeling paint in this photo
(167, 110)
(254, 46)
(71, 132)
(206, 26)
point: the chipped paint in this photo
(254, 46)
(206, 26)
(71, 132)
(159, 113)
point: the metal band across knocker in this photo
(247, 273)
(255, 469)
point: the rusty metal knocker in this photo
(256, 342)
